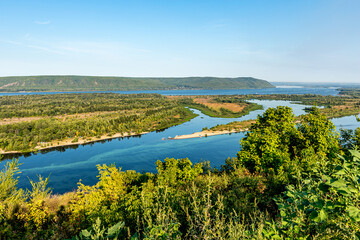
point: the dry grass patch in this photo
(13, 120)
(234, 107)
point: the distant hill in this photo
(92, 83)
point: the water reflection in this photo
(69, 164)
(66, 147)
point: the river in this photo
(277, 90)
(66, 166)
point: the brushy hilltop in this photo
(93, 83)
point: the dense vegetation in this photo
(238, 126)
(331, 106)
(92, 83)
(60, 104)
(334, 106)
(288, 181)
(32, 122)
(223, 110)
(353, 92)
(48, 120)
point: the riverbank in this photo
(207, 134)
(71, 142)
(235, 127)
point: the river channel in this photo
(66, 166)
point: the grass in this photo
(222, 112)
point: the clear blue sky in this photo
(289, 40)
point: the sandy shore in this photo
(68, 142)
(206, 134)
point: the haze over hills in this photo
(94, 83)
(340, 84)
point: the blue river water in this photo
(66, 166)
(277, 90)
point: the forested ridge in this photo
(97, 83)
(290, 180)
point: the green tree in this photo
(267, 147)
(280, 149)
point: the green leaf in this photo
(318, 216)
(341, 172)
(85, 233)
(332, 205)
(322, 215)
(344, 191)
(338, 184)
(354, 213)
(355, 153)
(134, 237)
(307, 181)
(115, 230)
(348, 165)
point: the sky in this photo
(281, 41)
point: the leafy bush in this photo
(288, 182)
(326, 204)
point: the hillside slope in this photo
(93, 83)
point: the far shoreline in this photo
(134, 90)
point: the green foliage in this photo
(90, 83)
(344, 104)
(354, 92)
(236, 125)
(325, 205)
(222, 112)
(76, 103)
(319, 134)
(98, 233)
(8, 182)
(349, 138)
(37, 213)
(107, 114)
(173, 172)
(10, 197)
(106, 199)
(276, 147)
(288, 182)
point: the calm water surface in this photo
(278, 90)
(66, 166)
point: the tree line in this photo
(75, 103)
(289, 181)
(115, 113)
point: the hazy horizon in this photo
(278, 41)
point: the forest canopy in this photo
(31, 122)
(94, 83)
(290, 180)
